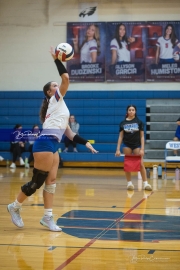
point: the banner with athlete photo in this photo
(125, 51)
(88, 40)
(163, 51)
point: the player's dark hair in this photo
(17, 126)
(96, 37)
(128, 109)
(35, 126)
(45, 103)
(74, 119)
(172, 35)
(37, 130)
(124, 38)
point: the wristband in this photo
(60, 67)
(79, 140)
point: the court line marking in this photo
(102, 207)
(119, 229)
(106, 219)
(151, 251)
(75, 247)
(81, 250)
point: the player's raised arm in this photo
(62, 72)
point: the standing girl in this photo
(132, 136)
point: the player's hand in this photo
(141, 152)
(52, 52)
(21, 144)
(89, 146)
(176, 56)
(118, 153)
(131, 39)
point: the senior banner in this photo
(88, 40)
(163, 51)
(125, 51)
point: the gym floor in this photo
(103, 225)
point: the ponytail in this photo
(45, 103)
(43, 110)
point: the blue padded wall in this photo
(98, 112)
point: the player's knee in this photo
(29, 188)
(37, 181)
(50, 188)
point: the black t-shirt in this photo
(132, 130)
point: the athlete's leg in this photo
(48, 194)
(42, 161)
(51, 180)
(42, 164)
(147, 186)
(175, 151)
(128, 151)
(142, 170)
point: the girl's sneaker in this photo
(49, 223)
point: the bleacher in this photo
(98, 113)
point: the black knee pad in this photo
(29, 188)
(37, 181)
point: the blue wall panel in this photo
(98, 112)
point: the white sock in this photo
(17, 204)
(129, 183)
(145, 183)
(48, 212)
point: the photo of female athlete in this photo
(165, 46)
(90, 47)
(119, 45)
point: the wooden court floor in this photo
(103, 226)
